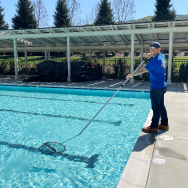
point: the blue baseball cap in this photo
(155, 45)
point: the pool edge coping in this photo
(136, 171)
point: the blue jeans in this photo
(158, 107)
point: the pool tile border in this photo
(72, 87)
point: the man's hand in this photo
(129, 76)
(148, 55)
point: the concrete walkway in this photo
(158, 160)
(103, 83)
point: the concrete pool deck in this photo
(158, 160)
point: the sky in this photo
(143, 8)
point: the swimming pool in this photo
(31, 116)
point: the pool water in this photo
(31, 116)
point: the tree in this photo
(41, 14)
(163, 11)
(124, 10)
(74, 11)
(61, 15)
(3, 25)
(104, 15)
(25, 18)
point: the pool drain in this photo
(165, 137)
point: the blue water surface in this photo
(31, 116)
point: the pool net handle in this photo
(110, 98)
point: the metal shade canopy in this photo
(128, 36)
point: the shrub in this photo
(174, 71)
(97, 53)
(120, 63)
(137, 53)
(175, 53)
(186, 72)
(56, 54)
(146, 76)
(136, 64)
(84, 58)
(2, 67)
(182, 73)
(11, 67)
(20, 54)
(126, 53)
(122, 69)
(166, 56)
(113, 53)
(186, 53)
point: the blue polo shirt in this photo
(157, 69)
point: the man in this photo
(157, 69)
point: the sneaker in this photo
(149, 130)
(164, 127)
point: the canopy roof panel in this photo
(104, 37)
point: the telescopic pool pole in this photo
(111, 98)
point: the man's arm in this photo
(140, 71)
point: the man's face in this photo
(154, 51)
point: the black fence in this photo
(122, 67)
(118, 68)
(179, 70)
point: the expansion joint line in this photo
(150, 164)
(180, 139)
(178, 112)
(153, 159)
(174, 99)
(133, 184)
